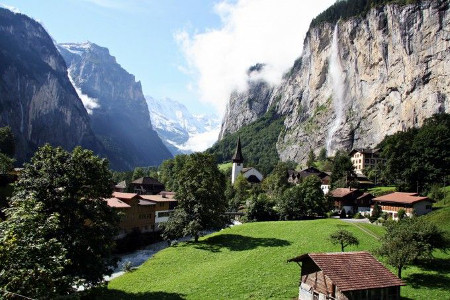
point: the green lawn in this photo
(225, 166)
(381, 190)
(249, 262)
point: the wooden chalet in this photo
(147, 186)
(296, 177)
(143, 213)
(412, 203)
(351, 200)
(345, 276)
(136, 213)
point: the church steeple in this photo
(237, 157)
(238, 162)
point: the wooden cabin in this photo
(345, 276)
(411, 203)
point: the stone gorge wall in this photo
(360, 80)
(37, 99)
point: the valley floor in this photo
(249, 262)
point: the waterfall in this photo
(337, 77)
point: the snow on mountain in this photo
(180, 130)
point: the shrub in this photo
(343, 214)
(127, 267)
(350, 214)
(358, 215)
(401, 214)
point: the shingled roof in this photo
(342, 192)
(117, 203)
(147, 180)
(351, 271)
(403, 198)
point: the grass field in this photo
(249, 262)
(381, 190)
(225, 167)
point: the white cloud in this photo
(200, 141)
(11, 8)
(252, 31)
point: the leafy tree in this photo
(7, 143)
(67, 191)
(401, 214)
(322, 155)
(6, 163)
(436, 193)
(169, 171)
(277, 182)
(344, 238)
(343, 172)
(138, 173)
(410, 239)
(311, 159)
(418, 158)
(31, 263)
(376, 212)
(305, 199)
(261, 208)
(200, 192)
(241, 191)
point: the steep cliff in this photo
(117, 108)
(37, 99)
(250, 105)
(361, 79)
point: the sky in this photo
(193, 51)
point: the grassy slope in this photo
(382, 190)
(441, 213)
(249, 261)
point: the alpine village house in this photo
(345, 276)
(142, 212)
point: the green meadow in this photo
(249, 262)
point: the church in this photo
(251, 174)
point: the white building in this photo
(411, 203)
(252, 175)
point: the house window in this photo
(428, 206)
(161, 204)
(367, 161)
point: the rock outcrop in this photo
(37, 99)
(359, 80)
(116, 105)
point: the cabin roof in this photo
(401, 198)
(351, 271)
(117, 203)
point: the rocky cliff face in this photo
(246, 107)
(117, 108)
(37, 99)
(361, 79)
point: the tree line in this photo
(345, 9)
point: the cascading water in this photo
(338, 84)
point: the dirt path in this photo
(352, 221)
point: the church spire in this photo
(237, 157)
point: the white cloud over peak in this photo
(252, 31)
(11, 8)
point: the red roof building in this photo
(147, 186)
(411, 203)
(351, 200)
(346, 275)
